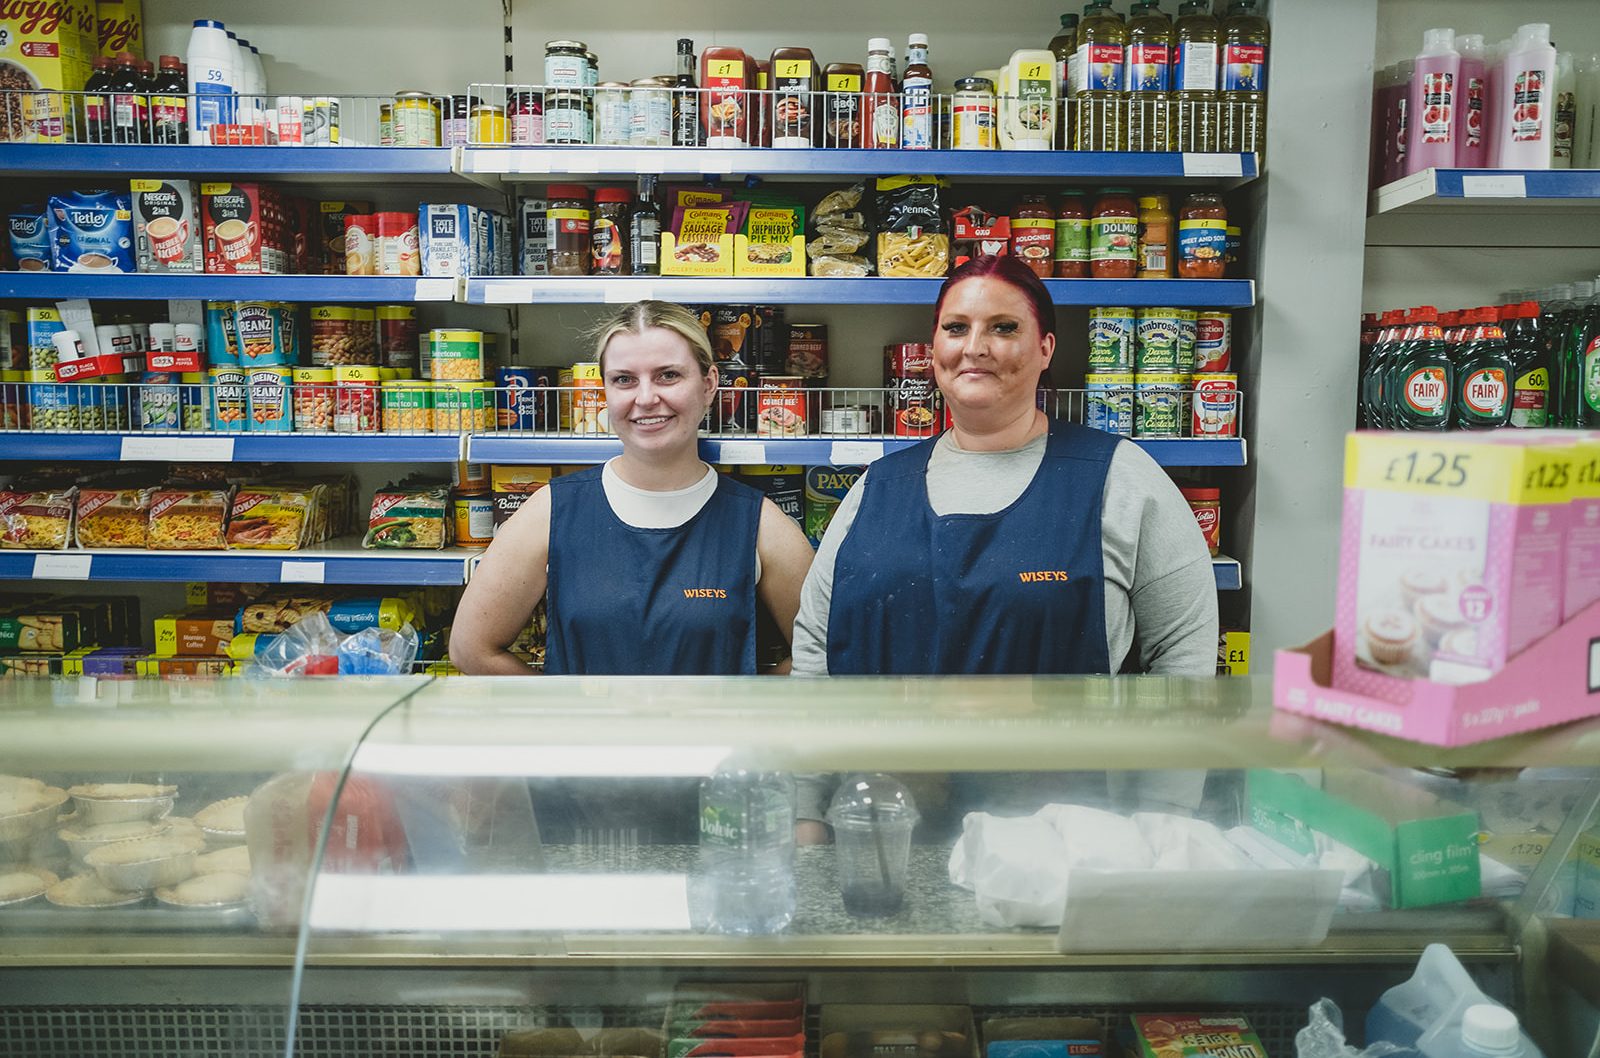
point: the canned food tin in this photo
(158, 401)
(487, 124)
(342, 334)
(355, 399)
(470, 477)
(915, 402)
(781, 407)
(462, 407)
(650, 114)
(589, 400)
(1188, 330)
(826, 487)
(1109, 403)
(268, 396)
(515, 399)
(1213, 350)
(846, 419)
(733, 412)
(564, 398)
(612, 114)
(474, 518)
(1158, 405)
(785, 486)
(229, 400)
(456, 354)
(416, 120)
(407, 406)
(1216, 406)
(222, 344)
(192, 401)
(313, 399)
(386, 124)
(1111, 339)
(1156, 343)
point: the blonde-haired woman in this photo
(653, 564)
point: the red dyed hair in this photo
(1013, 273)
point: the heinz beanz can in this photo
(1111, 339)
(1109, 403)
(268, 394)
(229, 399)
(1158, 405)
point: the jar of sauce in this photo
(525, 116)
(1072, 236)
(841, 123)
(608, 235)
(795, 90)
(1155, 237)
(725, 81)
(1202, 237)
(972, 115)
(1033, 234)
(567, 230)
(1114, 235)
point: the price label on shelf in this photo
(1213, 165)
(299, 571)
(62, 566)
(742, 453)
(503, 292)
(1493, 185)
(853, 453)
(436, 288)
(626, 291)
(187, 449)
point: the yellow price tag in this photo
(730, 68)
(844, 82)
(793, 68)
(1035, 71)
(215, 189)
(146, 185)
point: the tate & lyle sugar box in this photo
(1453, 557)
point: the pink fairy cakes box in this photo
(1453, 557)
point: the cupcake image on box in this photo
(1439, 615)
(1460, 644)
(1390, 636)
(1418, 583)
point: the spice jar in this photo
(608, 239)
(1072, 236)
(1207, 507)
(1202, 237)
(567, 230)
(1114, 235)
(1155, 237)
(1033, 234)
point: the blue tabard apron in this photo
(1018, 591)
(652, 602)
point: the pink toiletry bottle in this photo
(1525, 119)
(1472, 145)
(1431, 120)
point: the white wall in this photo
(1574, 24)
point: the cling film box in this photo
(1426, 847)
(1452, 558)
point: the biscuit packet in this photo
(913, 233)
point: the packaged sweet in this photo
(409, 518)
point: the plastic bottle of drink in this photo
(97, 103)
(1147, 77)
(747, 850)
(1435, 88)
(918, 112)
(1097, 80)
(1566, 118)
(130, 102)
(1471, 148)
(1526, 110)
(1062, 45)
(211, 78)
(1485, 1031)
(169, 103)
(1246, 38)
(1530, 366)
(1483, 370)
(881, 127)
(1419, 387)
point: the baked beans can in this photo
(356, 399)
(1111, 339)
(1156, 342)
(415, 121)
(733, 411)
(407, 406)
(229, 399)
(270, 407)
(781, 407)
(397, 336)
(914, 401)
(808, 350)
(313, 399)
(454, 354)
(1215, 405)
(846, 420)
(474, 519)
(589, 400)
(343, 334)
(516, 402)
(1108, 403)
(826, 487)
(361, 244)
(1213, 350)
(1158, 405)
(462, 407)
(785, 486)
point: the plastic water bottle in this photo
(1490, 1032)
(211, 80)
(747, 850)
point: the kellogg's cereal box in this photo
(43, 50)
(119, 27)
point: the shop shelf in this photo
(338, 562)
(1498, 188)
(587, 290)
(327, 164)
(516, 163)
(56, 285)
(806, 451)
(1229, 573)
(223, 448)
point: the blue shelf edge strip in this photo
(145, 287)
(294, 448)
(1537, 183)
(186, 160)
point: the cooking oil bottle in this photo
(1098, 79)
(1194, 79)
(1245, 39)
(1062, 46)
(1147, 78)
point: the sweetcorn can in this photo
(407, 406)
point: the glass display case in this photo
(532, 866)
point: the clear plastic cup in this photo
(872, 818)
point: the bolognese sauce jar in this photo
(1114, 235)
(1033, 234)
(914, 401)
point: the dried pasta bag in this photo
(190, 519)
(841, 267)
(841, 235)
(113, 517)
(269, 519)
(408, 518)
(913, 235)
(37, 520)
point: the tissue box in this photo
(1427, 847)
(1452, 558)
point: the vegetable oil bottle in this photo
(1098, 79)
(1194, 79)
(1245, 39)
(1148, 66)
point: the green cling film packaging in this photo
(1195, 1036)
(699, 1047)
